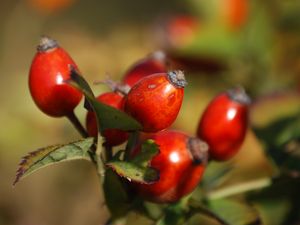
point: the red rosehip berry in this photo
(180, 162)
(50, 6)
(113, 137)
(155, 100)
(182, 30)
(49, 69)
(224, 123)
(234, 12)
(154, 63)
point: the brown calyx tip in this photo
(177, 78)
(239, 95)
(46, 44)
(114, 86)
(199, 150)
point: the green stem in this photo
(99, 157)
(76, 123)
(239, 188)
(108, 152)
(133, 139)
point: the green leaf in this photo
(171, 218)
(282, 143)
(152, 210)
(197, 208)
(79, 82)
(280, 131)
(137, 169)
(290, 161)
(107, 116)
(276, 203)
(234, 212)
(174, 214)
(111, 118)
(290, 132)
(116, 197)
(216, 174)
(53, 154)
(273, 211)
(133, 172)
(148, 151)
(213, 42)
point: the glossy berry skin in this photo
(154, 63)
(224, 123)
(49, 69)
(113, 137)
(155, 100)
(179, 173)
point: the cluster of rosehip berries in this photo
(153, 96)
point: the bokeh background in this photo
(255, 44)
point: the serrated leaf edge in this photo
(20, 172)
(110, 165)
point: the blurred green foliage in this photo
(107, 37)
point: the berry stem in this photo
(76, 123)
(132, 141)
(108, 152)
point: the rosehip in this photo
(155, 100)
(49, 69)
(224, 123)
(180, 162)
(234, 12)
(154, 63)
(181, 30)
(50, 6)
(112, 137)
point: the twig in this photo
(76, 123)
(108, 151)
(133, 139)
(100, 166)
